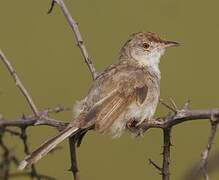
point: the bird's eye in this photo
(146, 45)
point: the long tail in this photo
(46, 147)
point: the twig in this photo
(74, 166)
(7, 157)
(33, 121)
(166, 153)
(88, 61)
(74, 26)
(180, 117)
(12, 132)
(19, 84)
(168, 106)
(155, 165)
(57, 109)
(173, 104)
(194, 173)
(5, 162)
(205, 153)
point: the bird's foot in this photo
(133, 127)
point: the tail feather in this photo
(46, 147)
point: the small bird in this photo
(121, 97)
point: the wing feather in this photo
(117, 90)
(110, 112)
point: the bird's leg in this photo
(132, 126)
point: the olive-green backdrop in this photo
(44, 52)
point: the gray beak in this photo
(170, 44)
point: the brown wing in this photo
(128, 86)
(110, 111)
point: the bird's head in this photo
(146, 48)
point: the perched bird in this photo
(121, 97)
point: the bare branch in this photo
(194, 172)
(180, 117)
(74, 165)
(74, 26)
(33, 121)
(5, 159)
(12, 132)
(57, 109)
(205, 153)
(166, 153)
(19, 83)
(165, 170)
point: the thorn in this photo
(186, 105)
(24, 117)
(51, 6)
(173, 104)
(151, 162)
(168, 106)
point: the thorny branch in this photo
(19, 84)
(74, 26)
(39, 118)
(166, 153)
(73, 154)
(164, 171)
(179, 116)
(183, 115)
(205, 153)
(195, 173)
(26, 121)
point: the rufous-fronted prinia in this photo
(127, 91)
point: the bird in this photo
(121, 97)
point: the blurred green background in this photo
(44, 52)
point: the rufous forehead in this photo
(153, 37)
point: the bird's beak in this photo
(170, 44)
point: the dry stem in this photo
(74, 26)
(166, 153)
(19, 84)
(206, 152)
